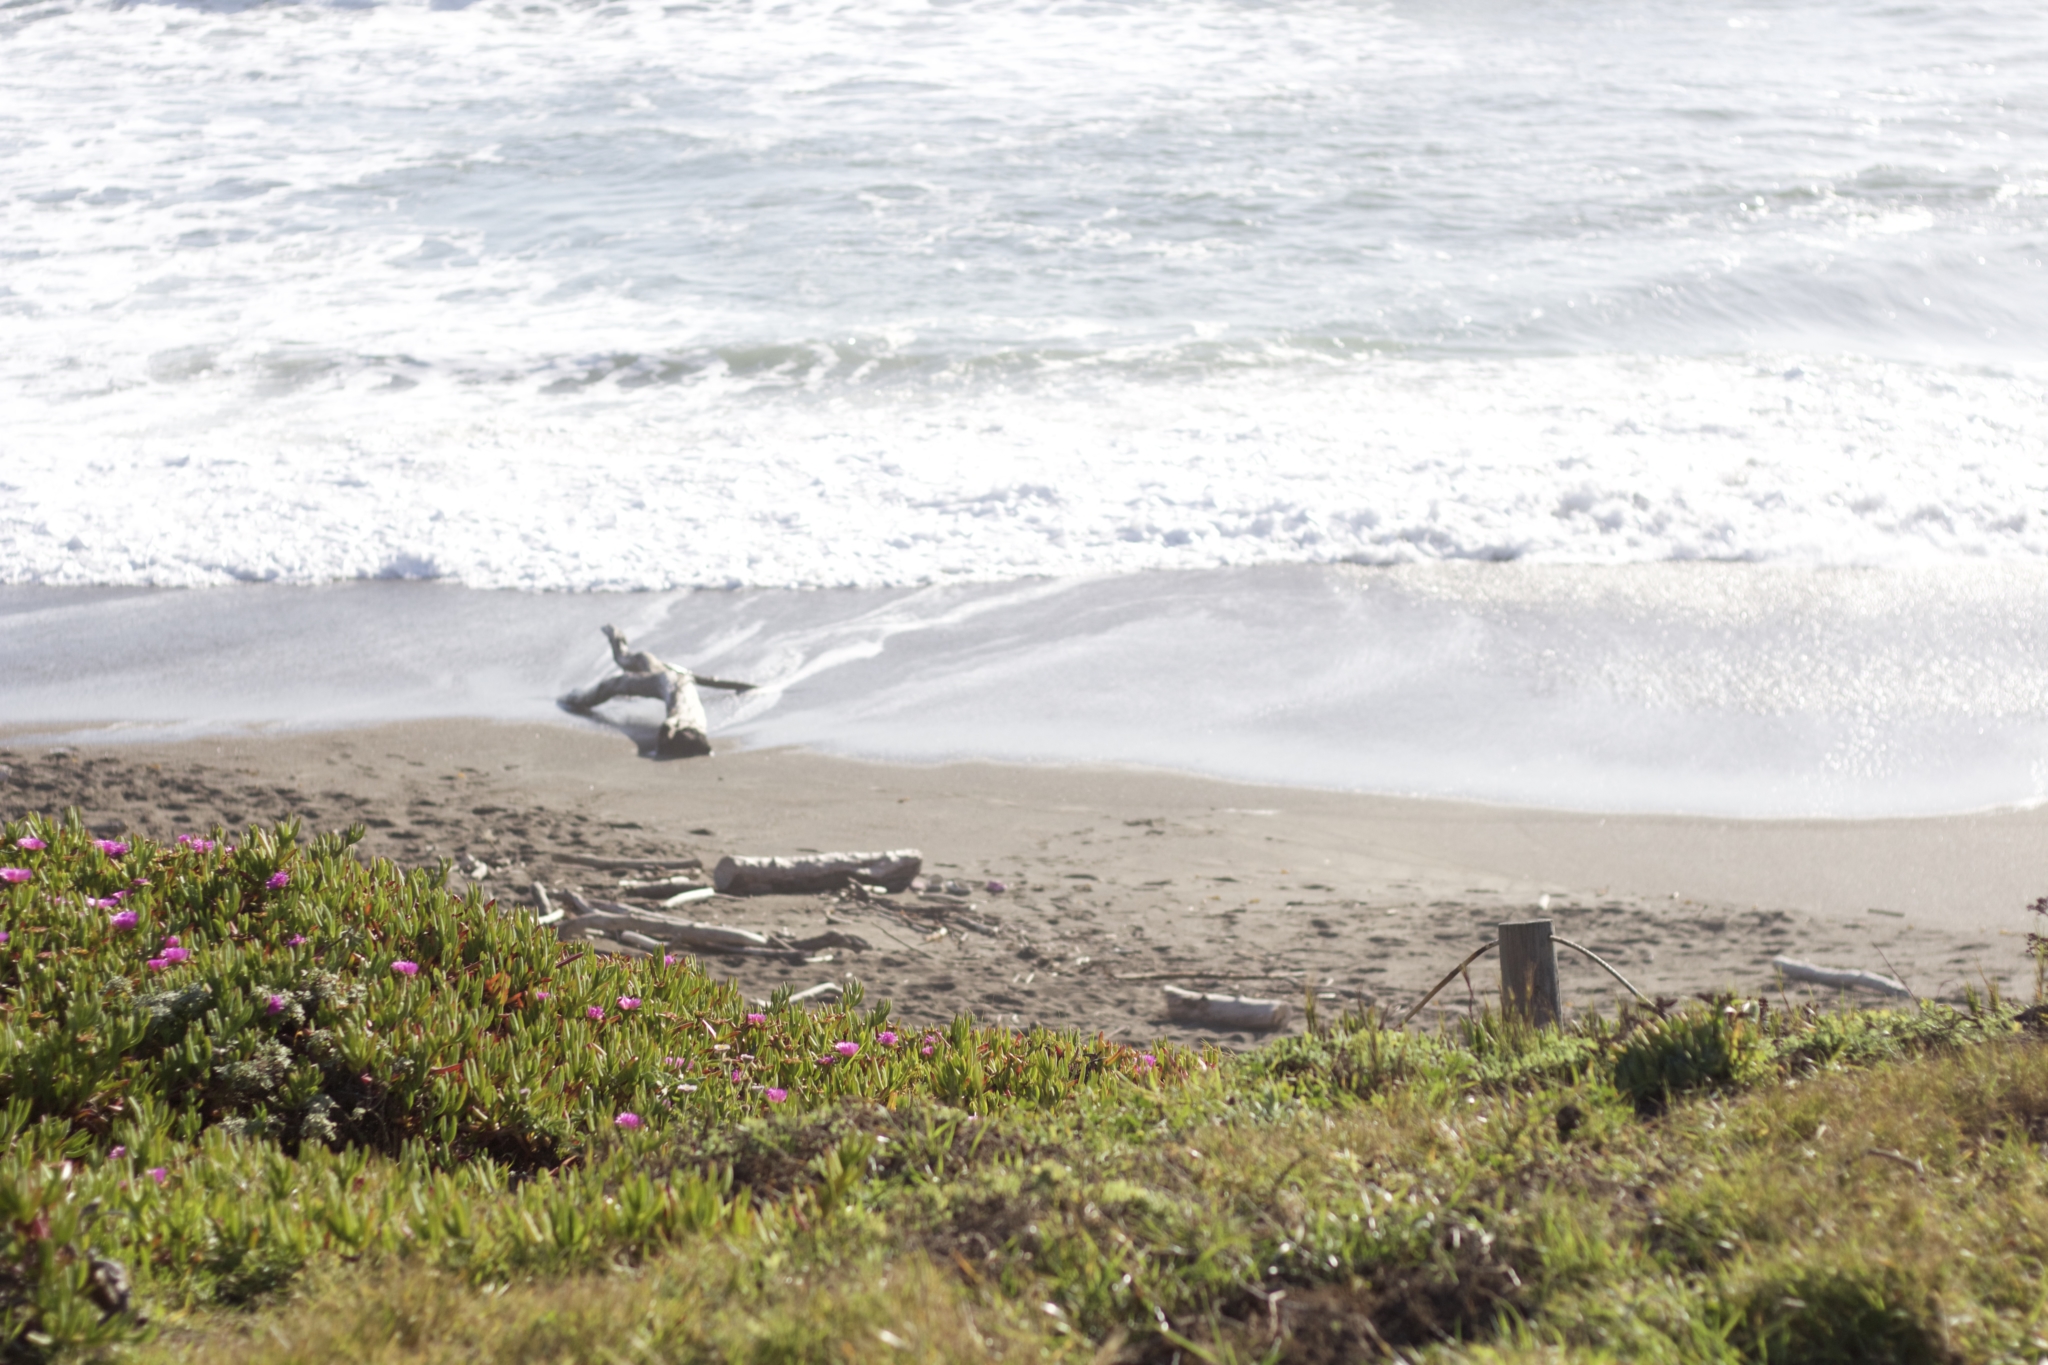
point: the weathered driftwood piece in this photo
(642, 675)
(1839, 977)
(681, 861)
(1224, 1011)
(548, 913)
(695, 893)
(815, 872)
(612, 918)
(1528, 972)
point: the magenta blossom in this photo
(668, 959)
(3, 936)
(279, 881)
(113, 848)
(31, 843)
(197, 844)
(118, 1151)
(542, 995)
(126, 919)
(15, 874)
(846, 1049)
(171, 941)
(1146, 1061)
(627, 1120)
(886, 1038)
(757, 1019)
(176, 954)
(275, 1005)
(736, 1077)
(675, 1061)
(156, 964)
(595, 1012)
(776, 1094)
(629, 1002)
(159, 1175)
(295, 940)
(103, 903)
(406, 967)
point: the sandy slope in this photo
(1116, 874)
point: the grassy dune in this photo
(344, 1116)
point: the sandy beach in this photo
(1116, 881)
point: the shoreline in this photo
(1117, 873)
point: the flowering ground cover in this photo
(262, 1100)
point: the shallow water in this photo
(1720, 689)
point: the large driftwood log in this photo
(1224, 1011)
(642, 675)
(815, 872)
(1793, 968)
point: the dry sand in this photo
(1116, 879)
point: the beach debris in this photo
(814, 872)
(548, 913)
(1839, 977)
(654, 886)
(695, 893)
(677, 865)
(643, 675)
(1225, 1011)
(822, 992)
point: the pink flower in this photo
(31, 843)
(675, 1061)
(757, 1019)
(775, 1094)
(627, 1120)
(176, 954)
(1146, 1061)
(126, 919)
(736, 1078)
(196, 844)
(171, 941)
(275, 1005)
(668, 959)
(886, 1038)
(542, 995)
(159, 1175)
(113, 848)
(157, 964)
(629, 1002)
(405, 967)
(118, 1151)
(103, 903)
(295, 940)
(279, 880)
(846, 1049)
(595, 1012)
(15, 874)
(926, 1049)
(3, 936)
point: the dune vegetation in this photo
(264, 1100)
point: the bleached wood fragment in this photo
(823, 991)
(814, 872)
(548, 913)
(613, 917)
(1225, 1011)
(1842, 978)
(684, 730)
(695, 893)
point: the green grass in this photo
(297, 1153)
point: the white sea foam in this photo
(577, 296)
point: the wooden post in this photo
(1528, 972)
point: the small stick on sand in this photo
(1841, 978)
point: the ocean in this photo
(1617, 404)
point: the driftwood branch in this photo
(683, 732)
(1224, 1011)
(1831, 976)
(815, 872)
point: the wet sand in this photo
(1117, 881)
